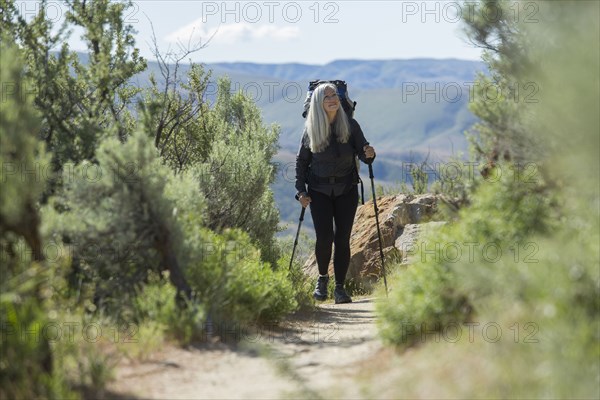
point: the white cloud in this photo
(232, 33)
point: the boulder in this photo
(407, 242)
(398, 215)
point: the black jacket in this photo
(332, 171)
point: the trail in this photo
(313, 357)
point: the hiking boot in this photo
(320, 292)
(340, 295)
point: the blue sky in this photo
(300, 31)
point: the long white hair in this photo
(317, 123)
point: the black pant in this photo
(326, 210)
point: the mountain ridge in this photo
(363, 74)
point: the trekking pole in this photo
(377, 223)
(297, 234)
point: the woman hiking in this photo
(327, 179)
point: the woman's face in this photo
(331, 102)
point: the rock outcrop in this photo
(401, 219)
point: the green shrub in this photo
(228, 276)
(451, 269)
(544, 285)
(422, 299)
(235, 178)
(301, 285)
(28, 368)
(155, 304)
(119, 223)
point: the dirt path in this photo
(311, 358)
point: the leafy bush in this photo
(227, 147)
(435, 289)
(548, 228)
(119, 223)
(133, 207)
(79, 102)
(228, 276)
(302, 287)
(235, 177)
(422, 299)
(156, 303)
(27, 367)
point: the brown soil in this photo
(318, 356)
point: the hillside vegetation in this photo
(512, 283)
(129, 216)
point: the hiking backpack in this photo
(342, 92)
(348, 105)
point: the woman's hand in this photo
(304, 199)
(369, 151)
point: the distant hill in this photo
(362, 74)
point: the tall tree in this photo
(26, 361)
(22, 156)
(238, 172)
(78, 96)
(503, 99)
